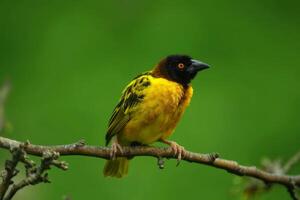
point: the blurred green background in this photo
(69, 61)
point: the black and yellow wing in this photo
(131, 97)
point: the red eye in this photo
(180, 65)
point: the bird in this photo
(149, 109)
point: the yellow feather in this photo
(159, 112)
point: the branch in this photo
(254, 186)
(233, 167)
(34, 174)
(10, 170)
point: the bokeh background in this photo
(69, 61)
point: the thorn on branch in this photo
(80, 143)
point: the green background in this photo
(69, 61)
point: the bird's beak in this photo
(198, 65)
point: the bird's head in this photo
(179, 68)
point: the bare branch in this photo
(10, 170)
(206, 159)
(254, 186)
(34, 174)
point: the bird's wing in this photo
(132, 95)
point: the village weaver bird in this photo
(150, 108)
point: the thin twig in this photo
(291, 162)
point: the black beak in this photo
(198, 66)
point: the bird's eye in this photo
(180, 65)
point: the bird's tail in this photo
(116, 168)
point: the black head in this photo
(181, 68)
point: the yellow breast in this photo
(159, 112)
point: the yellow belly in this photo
(156, 117)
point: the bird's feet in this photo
(115, 146)
(178, 150)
